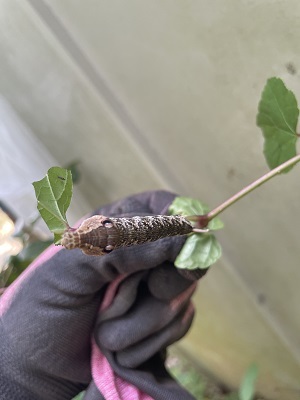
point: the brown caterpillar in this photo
(99, 235)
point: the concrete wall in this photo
(163, 94)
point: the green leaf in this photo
(199, 251)
(188, 206)
(247, 387)
(277, 117)
(54, 193)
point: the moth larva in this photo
(99, 235)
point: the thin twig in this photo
(269, 175)
(203, 220)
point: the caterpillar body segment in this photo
(99, 235)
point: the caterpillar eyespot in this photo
(109, 248)
(99, 235)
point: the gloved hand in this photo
(72, 322)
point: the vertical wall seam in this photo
(143, 145)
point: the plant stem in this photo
(203, 220)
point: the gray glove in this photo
(74, 322)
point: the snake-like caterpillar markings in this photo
(99, 235)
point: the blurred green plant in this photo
(247, 387)
(33, 242)
(20, 262)
(205, 387)
(79, 396)
(74, 168)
